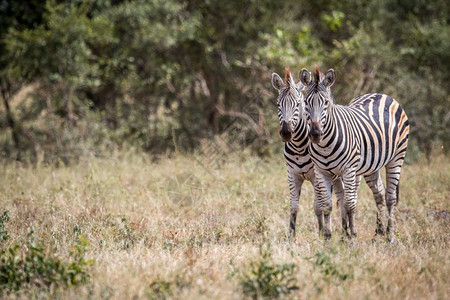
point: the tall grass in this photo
(174, 229)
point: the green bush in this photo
(164, 75)
(163, 289)
(328, 268)
(127, 237)
(3, 233)
(31, 265)
(264, 278)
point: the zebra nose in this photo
(315, 131)
(286, 130)
(316, 128)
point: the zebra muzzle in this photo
(286, 131)
(315, 132)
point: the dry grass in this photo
(173, 229)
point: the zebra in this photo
(350, 141)
(294, 133)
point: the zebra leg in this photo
(358, 182)
(350, 181)
(320, 221)
(376, 185)
(295, 186)
(393, 169)
(345, 221)
(323, 203)
(327, 225)
(338, 187)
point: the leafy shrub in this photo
(33, 266)
(162, 289)
(264, 278)
(3, 219)
(127, 237)
(329, 269)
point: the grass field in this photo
(172, 229)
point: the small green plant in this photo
(127, 235)
(4, 218)
(32, 265)
(330, 271)
(264, 278)
(162, 289)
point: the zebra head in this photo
(290, 103)
(318, 99)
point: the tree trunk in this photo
(212, 114)
(69, 106)
(6, 95)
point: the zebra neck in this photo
(300, 141)
(330, 130)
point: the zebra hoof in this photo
(391, 240)
(291, 232)
(291, 236)
(380, 231)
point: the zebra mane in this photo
(316, 76)
(287, 76)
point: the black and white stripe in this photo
(294, 132)
(348, 141)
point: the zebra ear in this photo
(277, 82)
(329, 79)
(305, 77)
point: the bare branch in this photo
(257, 128)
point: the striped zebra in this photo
(353, 140)
(294, 133)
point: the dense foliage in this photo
(82, 77)
(28, 266)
